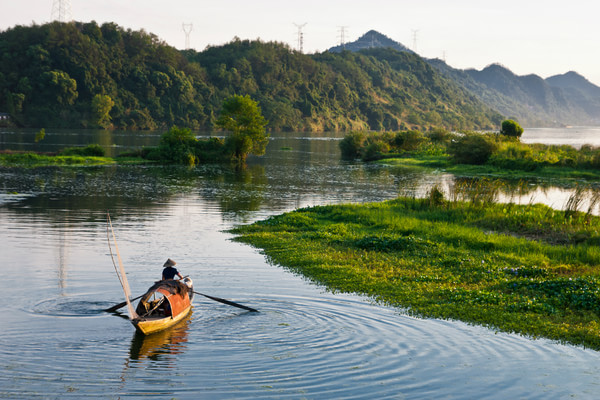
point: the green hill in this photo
(83, 75)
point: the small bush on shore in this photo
(91, 150)
(471, 148)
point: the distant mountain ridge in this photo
(567, 99)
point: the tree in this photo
(60, 87)
(243, 118)
(101, 106)
(511, 128)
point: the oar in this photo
(231, 303)
(117, 306)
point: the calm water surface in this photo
(55, 341)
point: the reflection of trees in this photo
(514, 191)
(239, 190)
(88, 192)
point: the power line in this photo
(61, 11)
(187, 29)
(300, 36)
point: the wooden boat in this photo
(165, 304)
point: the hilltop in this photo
(78, 74)
(371, 39)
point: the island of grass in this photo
(527, 269)
(473, 154)
(71, 156)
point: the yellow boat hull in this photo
(148, 326)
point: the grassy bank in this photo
(526, 269)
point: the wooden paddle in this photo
(117, 306)
(231, 303)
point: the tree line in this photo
(72, 75)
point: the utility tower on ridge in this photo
(342, 36)
(187, 29)
(300, 36)
(61, 11)
(415, 33)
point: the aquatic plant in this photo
(31, 159)
(516, 268)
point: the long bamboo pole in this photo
(121, 271)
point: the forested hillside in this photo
(85, 75)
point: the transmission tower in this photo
(415, 33)
(342, 36)
(187, 29)
(61, 11)
(300, 36)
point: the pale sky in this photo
(544, 37)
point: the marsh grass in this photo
(517, 268)
(31, 159)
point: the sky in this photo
(542, 37)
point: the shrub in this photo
(351, 145)
(375, 150)
(176, 146)
(471, 148)
(511, 128)
(92, 150)
(409, 140)
(439, 135)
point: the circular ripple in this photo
(346, 348)
(74, 306)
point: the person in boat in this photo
(170, 271)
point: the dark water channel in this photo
(55, 341)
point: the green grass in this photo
(31, 159)
(526, 269)
(444, 164)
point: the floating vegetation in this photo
(31, 159)
(518, 268)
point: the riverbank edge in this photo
(443, 164)
(552, 292)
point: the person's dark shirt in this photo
(169, 272)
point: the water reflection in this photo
(161, 346)
(113, 142)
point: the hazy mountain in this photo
(579, 91)
(567, 99)
(572, 80)
(562, 100)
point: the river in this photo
(306, 342)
